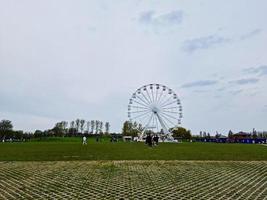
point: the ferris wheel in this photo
(156, 107)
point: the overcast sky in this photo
(67, 59)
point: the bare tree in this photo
(88, 125)
(107, 127)
(64, 126)
(97, 123)
(101, 126)
(82, 122)
(58, 125)
(72, 126)
(77, 123)
(92, 126)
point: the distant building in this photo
(241, 135)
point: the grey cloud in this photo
(252, 94)
(207, 42)
(201, 91)
(202, 83)
(92, 28)
(235, 92)
(217, 96)
(174, 17)
(261, 70)
(146, 17)
(251, 34)
(245, 81)
(203, 43)
(221, 89)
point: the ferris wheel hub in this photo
(155, 110)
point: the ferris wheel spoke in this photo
(170, 103)
(152, 93)
(157, 125)
(149, 120)
(164, 102)
(153, 120)
(165, 111)
(168, 108)
(156, 94)
(139, 111)
(142, 100)
(140, 103)
(163, 124)
(141, 115)
(138, 107)
(166, 125)
(145, 98)
(170, 116)
(164, 96)
(166, 118)
(149, 96)
(159, 96)
(144, 118)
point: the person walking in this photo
(84, 140)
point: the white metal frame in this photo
(157, 108)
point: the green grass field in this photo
(59, 149)
(62, 168)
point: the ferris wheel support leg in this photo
(162, 124)
(141, 135)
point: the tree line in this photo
(74, 128)
(6, 130)
(81, 126)
(134, 129)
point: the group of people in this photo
(84, 140)
(152, 140)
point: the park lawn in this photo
(72, 149)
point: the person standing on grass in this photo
(84, 140)
(156, 140)
(149, 140)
